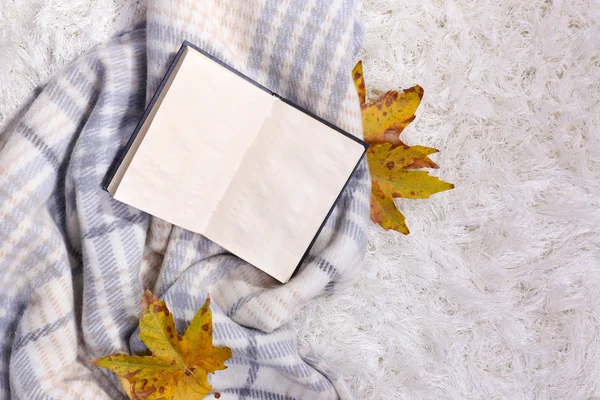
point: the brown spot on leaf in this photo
(412, 193)
(205, 327)
(173, 362)
(179, 338)
(161, 390)
(147, 299)
(188, 372)
(378, 105)
(422, 163)
(131, 374)
(145, 392)
(361, 86)
(206, 306)
(390, 165)
(169, 329)
(411, 119)
(357, 75)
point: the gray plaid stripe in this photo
(39, 143)
(282, 46)
(300, 58)
(317, 80)
(121, 223)
(263, 30)
(39, 333)
(257, 394)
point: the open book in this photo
(221, 155)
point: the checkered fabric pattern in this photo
(74, 262)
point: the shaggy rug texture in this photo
(496, 291)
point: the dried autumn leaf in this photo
(178, 367)
(359, 82)
(391, 179)
(392, 163)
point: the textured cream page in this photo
(286, 184)
(195, 143)
(116, 180)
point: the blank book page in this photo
(287, 182)
(195, 143)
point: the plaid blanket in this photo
(74, 262)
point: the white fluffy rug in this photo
(496, 292)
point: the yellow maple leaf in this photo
(393, 163)
(179, 365)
